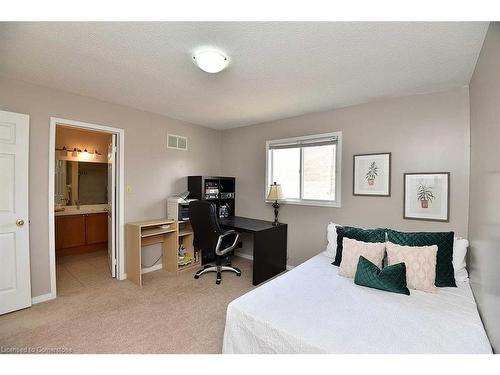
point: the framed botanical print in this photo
(427, 196)
(372, 174)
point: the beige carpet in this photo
(97, 314)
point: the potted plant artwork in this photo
(372, 173)
(425, 195)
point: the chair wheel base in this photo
(218, 269)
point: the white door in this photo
(112, 205)
(15, 284)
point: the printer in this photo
(178, 207)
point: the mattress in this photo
(311, 309)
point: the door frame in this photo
(120, 187)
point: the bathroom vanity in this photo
(81, 230)
(81, 209)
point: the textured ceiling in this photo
(276, 70)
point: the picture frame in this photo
(372, 174)
(426, 196)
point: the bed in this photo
(311, 309)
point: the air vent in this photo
(176, 142)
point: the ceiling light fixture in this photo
(210, 61)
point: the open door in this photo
(112, 205)
(15, 283)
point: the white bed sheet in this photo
(313, 310)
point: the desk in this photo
(170, 233)
(269, 245)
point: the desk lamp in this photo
(275, 194)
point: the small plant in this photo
(425, 195)
(372, 173)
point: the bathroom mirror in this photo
(80, 183)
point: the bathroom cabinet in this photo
(81, 233)
(96, 228)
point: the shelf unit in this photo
(225, 187)
(170, 233)
(155, 231)
(185, 237)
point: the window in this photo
(307, 168)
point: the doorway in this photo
(86, 205)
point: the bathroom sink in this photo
(83, 210)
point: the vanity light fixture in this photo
(210, 60)
(76, 152)
(85, 155)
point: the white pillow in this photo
(331, 235)
(420, 262)
(459, 252)
(352, 250)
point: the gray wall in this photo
(484, 220)
(151, 170)
(425, 133)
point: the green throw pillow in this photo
(365, 235)
(445, 275)
(391, 278)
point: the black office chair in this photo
(211, 239)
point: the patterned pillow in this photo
(420, 264)
(365, 235)
(353, 249)
(390, 278)
(445, 275)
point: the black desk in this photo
(269, 245)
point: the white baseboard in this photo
(243, 255)
(42, 298)
(156, 267)
(250, 257)
(159, 266)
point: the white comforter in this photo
(313, 310)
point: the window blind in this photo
(313, 142)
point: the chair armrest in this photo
(221, 252)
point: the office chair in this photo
(211, 239)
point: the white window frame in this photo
(338, 171)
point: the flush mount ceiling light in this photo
(210, 61)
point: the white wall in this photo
(425, 133)
(484, 220)
(151, 170)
